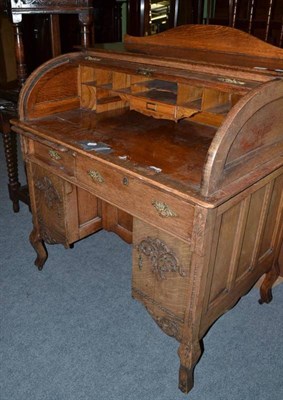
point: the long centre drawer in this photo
(138, 198)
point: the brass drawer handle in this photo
(145, 71)
(54, 155)
(95, 176)
(163, 209)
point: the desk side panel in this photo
(51, 88)
(249, 144)
(246, 244)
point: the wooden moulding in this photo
(207, 38)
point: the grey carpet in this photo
(73, 331)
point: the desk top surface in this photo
(163, 151)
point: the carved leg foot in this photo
(186, 379)
(38, 245)
(189, 356)
(266, 286)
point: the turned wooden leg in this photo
(10, 149)
(85, 23)
(189, 356)
(38, 245)
(266, 286)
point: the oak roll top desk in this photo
(174, 142)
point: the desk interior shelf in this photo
(159, 98)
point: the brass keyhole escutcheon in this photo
(125, 181)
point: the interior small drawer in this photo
(153, 108)
(136, 197)
(57, 157)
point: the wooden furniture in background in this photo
(261, 18)
(177, 147)
(9, 96)
(108, 20)
(53, 8)
(143, 18)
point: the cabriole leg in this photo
(266, 286)
(38, 245)
(189, 356)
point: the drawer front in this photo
(136, 197)
(58, 158)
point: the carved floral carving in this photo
(168, 326)
(163, 260)
(51, 196)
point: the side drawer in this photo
(58, 158)
(136, 197)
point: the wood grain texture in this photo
(210, 38)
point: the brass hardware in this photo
(155, 169)
(234, 81)
(125, 181)
(151, 106)
(163, 209)
(95, 176)
(145, 71)
(90, 58)
(54, 154)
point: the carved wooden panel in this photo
(52, 195)
(161, 265)
(64, 212)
